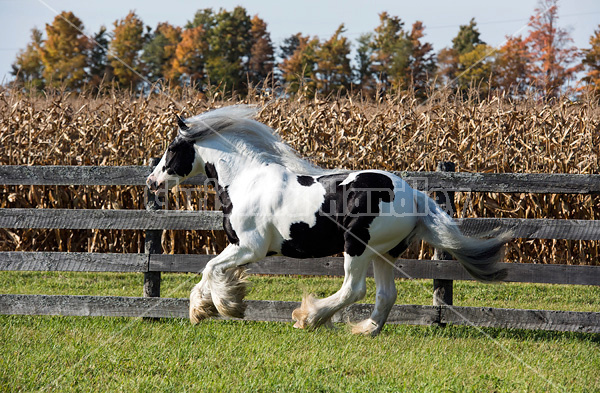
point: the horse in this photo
(276, 203)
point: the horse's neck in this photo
(225, 167)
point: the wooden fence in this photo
(153, 221)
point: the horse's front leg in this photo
(223, 285)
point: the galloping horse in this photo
(276, 203)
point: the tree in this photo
(99, 69)
(333, 71)
(389, 55)
(229, 46)
(286, 51)
(289, 45)
(298, 70)
(64, 53)
(399, 59)
(28, 66)
(550, 50)
(512, 67)
(465, 44)
(476, 69)
(260, 64)
(422, 61)
(591, 64)
(467, 38)
(190, 57)
(364, 70)
(447, 66)
(124, 57)
(159, 51)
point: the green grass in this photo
(130, 355)
(291, 288)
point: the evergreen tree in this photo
(124, 57)
(289, 45)
(364, 69)
(389, 51)
(229, 46)
(399, 59)
(99, 69)
(459, 64)
(467, 38)
(28, 66)
(64, 53)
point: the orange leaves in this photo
(190, 55)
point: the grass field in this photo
(41, 353)
(64, 354)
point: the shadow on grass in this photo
(457, 331)
(450, 331)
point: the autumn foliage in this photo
(233, 51)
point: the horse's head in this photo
(179, 162)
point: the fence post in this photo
(152, 245)
(442, 289)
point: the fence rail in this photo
(540, 183)
(281, 311)
(330, 266)
(151, 263)
(530, 228)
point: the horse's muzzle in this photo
(152, 184)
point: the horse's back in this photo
(342, 212)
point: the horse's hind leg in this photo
(383, 270)
(316, 312)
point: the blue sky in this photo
(496, 19)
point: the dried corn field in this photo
(393, 133)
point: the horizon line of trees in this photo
(232, 50)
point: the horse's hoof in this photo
(202, 310)
(299, 325)
(300, 315)
(368, 327)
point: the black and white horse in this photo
(276, 203)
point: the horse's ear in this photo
(181, 123)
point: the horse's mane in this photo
(246, 136)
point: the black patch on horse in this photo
(180, 157)
(306, 181)
(226, 204)
(364, 195)
(326, 237)
(343, 220)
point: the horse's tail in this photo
(479, 257)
